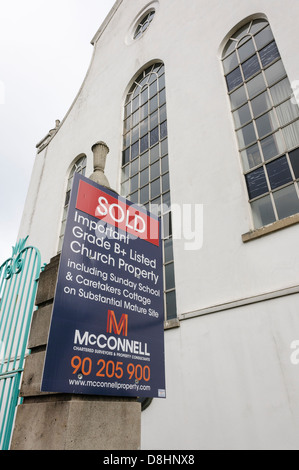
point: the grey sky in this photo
(45, 52)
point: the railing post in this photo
(18, 283)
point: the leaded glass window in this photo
(145, 170)
(266, 121)
(78, 167)
(144, 24)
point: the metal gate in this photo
(18, 283)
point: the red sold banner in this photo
(115, 212)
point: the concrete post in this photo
(51, 421)
(100, 151)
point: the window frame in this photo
(78, 166)
(144, 166)
(255, 129)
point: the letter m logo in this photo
(117, 327)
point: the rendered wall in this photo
(230, 382)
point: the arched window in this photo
(145, 171)
(144, 23)
(78, 167)
(266, 121)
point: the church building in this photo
(197, 102)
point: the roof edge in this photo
(52, 133)
(106, 22)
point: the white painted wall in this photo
(230, 383)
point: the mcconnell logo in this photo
(110, 342)
(122, 326)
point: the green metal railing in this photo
(18, 283)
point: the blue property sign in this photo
(106, 335)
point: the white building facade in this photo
(195, 101)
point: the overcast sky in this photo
(45, 52)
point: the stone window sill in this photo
(173, 323)
(279, 225)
